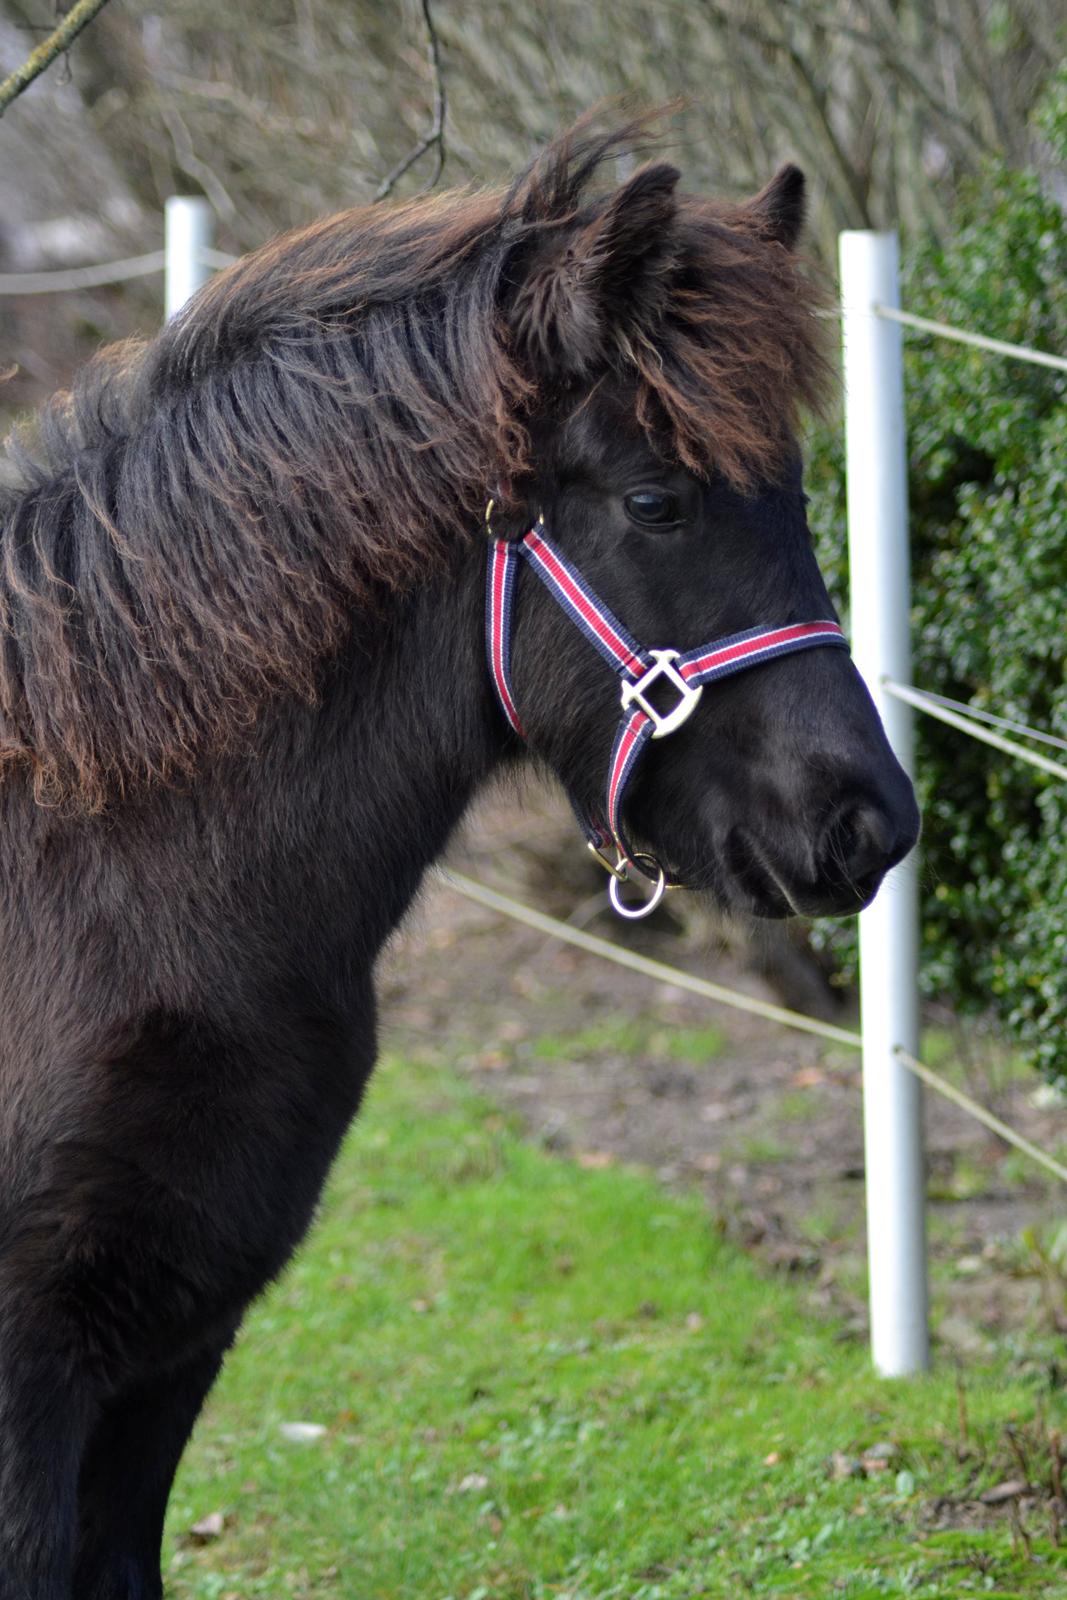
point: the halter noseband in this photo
(639, 669)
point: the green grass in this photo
(758, 1149)
(543, 1381)
(797, 1105)
(632, 1036)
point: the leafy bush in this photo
(988, 468)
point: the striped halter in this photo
(682, 675)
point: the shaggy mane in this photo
(198, 517)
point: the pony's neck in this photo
(407, 731)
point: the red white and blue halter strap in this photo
(683, 673)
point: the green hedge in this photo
(988, 469)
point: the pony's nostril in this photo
(861, 844)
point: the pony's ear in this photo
(778, 210)
(598, 278)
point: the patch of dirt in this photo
(767, 1122)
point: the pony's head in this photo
(205, 518)
(669, 345)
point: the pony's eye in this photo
(653, 508)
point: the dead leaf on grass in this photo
(208, 1528)
(879, 1457)
(301, 1432)
(1010, 1489)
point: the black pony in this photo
(244, 701)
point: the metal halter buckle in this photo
(688, 697)
(616, 868)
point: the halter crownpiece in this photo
(685, 674)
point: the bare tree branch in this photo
(61, 39)
(783, 45)
(190, 163)
(888, 44)
(435, 138)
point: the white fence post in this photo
(880, 600)
(187, 235)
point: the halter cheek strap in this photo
(683, 675)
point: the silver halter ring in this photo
(657, 878)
